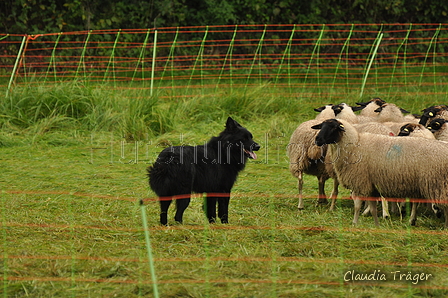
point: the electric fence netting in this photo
(331, 60)
(90, 256)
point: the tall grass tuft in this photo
(39, 109)
(30, 104)
(135, 114)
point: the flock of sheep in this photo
(380, 154)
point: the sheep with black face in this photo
(370, 165)
(436, 111)
(307, 158)
(439, 128)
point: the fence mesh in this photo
(330, 60)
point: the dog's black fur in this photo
(211, 168)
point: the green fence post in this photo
(286, 53)
(372, 58)
(436, 34)
(229, 54)
(170, 58)
(16, 64)
(315, 49)
(112, 61)
(149, 250)
(199, 57)
(256, 55)
(153, 66)
(52, 59)
(83, 53)
(404, 42)
(344, 48)
(141, 58)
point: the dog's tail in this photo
(158, 175)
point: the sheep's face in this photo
(431, 112)
(377, 101)
(436, 124)
(330, 132)
(338, 108)
(406, 129)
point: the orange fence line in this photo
(226, 281)
(74, 193)
(184, 196)
(229, 227)
(236, 259)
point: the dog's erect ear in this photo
(232, 124)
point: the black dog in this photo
(211, 168)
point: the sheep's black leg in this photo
(445, 211)
(181, 205)
(413, 216)
(300, 186)
(322, 196)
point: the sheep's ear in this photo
(341, 127)
(358, 108)
(378, 101)
(404, 111)
(363, 104)
(318, 126)
(319, 109)
(337, 109)
(378, 110)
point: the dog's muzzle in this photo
(250, 153)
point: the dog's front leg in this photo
(210, 209)
(223, 209)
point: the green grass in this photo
(73, 172)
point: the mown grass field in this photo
(73, 173)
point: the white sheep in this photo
(368, 113)
(439, 128)
(306, 157)
(376, 128)
(417, 131)
(346, 112)
(390, 112)
(370, 164)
